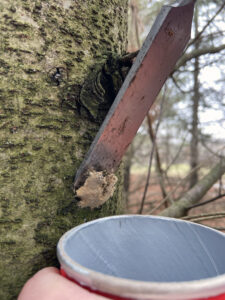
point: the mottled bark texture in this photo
(47, 51)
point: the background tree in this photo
(49, 54)
(202, 52)
(194, 155)
(190, 141)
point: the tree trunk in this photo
(195, 194)
(194, 155)
(47, 50)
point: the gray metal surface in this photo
(149, 249)
(176, 259)
(155, 61)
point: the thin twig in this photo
(197, 53)
(148, 179)
(174, 190)
(220, 185)
(206, 25)
(209, 63)
(209, 149)
(203, 215)
(177, 154)
(151, 154)
(200, 219)
(178, 87)
(158, 160)
(146, 202)
(137, 189)
(207, 201)
(213, 35)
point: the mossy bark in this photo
(47, 48)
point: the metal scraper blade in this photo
(155, 61)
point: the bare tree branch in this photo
(180, 208)
(212, 217)
(197, 53)
(151, 154)
(206, 25)
(177, 154)
(209, 149)
(212, 35)
(209, 63)
(171, 192)
(203, 215)
(207, 201)
(177, 85)
(158, 160)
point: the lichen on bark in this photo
(42, 140)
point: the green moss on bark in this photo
(43, 141)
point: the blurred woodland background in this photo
(176, 163)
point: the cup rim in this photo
(134, 289)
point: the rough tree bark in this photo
(47, 51)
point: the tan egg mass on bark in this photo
(97, 189)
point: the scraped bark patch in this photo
(97, 189)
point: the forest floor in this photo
(154, 198)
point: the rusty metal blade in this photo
(156, 59)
